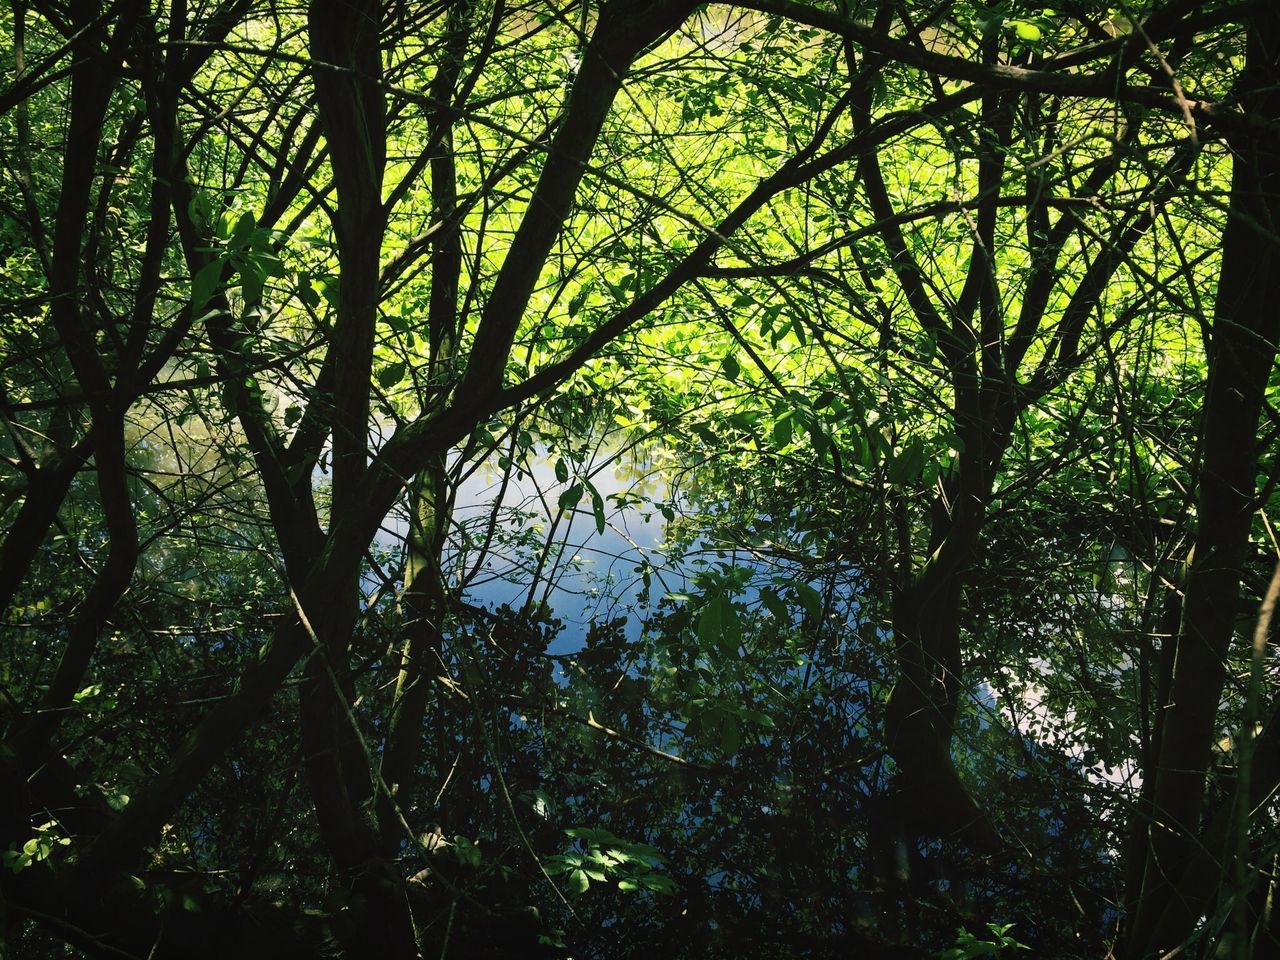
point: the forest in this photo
(608, 479)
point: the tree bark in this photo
(424, 601)
(1240, 356)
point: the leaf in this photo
(1027, 32)
(240, 233)
(198, 208)
(730, 736)
(658, 884)
(203, 285)
(251, 281)
(562, 470)
(268, 264)
(906, 466)
(597, 505)
(389, 376)
(329, 290)
(307, 293)
(541, 803)
(578, 881)
(810, 599)
(731, 628)
(730, 366)
(773, 603)
(710, 623)
(570, 498)
(782, 430)
(821, 443)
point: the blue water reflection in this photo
(513, 545)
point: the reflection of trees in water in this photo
(910, 324)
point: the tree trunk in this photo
(1240, 356)
(423, 605)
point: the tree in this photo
(304, 269)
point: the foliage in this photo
(758, 479)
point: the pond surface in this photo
(514, 545)
(582, 565)
(544, 554)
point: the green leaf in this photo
(1027, 32)
(268, 264)
(541, 802)
(730, 366)
(711, 623)
(329, 290)
(908, 464)
(821, 442)
(658, 884)
(782, 430)
(240, 233)
(306, 292)
(203, 285)
(251, 281)
(730, 736)
(467, 851)
(597, 505)
(199, 208)
(562, 470)
(578, 881)
(810, 599)
(389, 376)
(773, 603)
(731, 628)
(570, 498)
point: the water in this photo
(581, 573)
(513, 545)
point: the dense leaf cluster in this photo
(492, 478)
